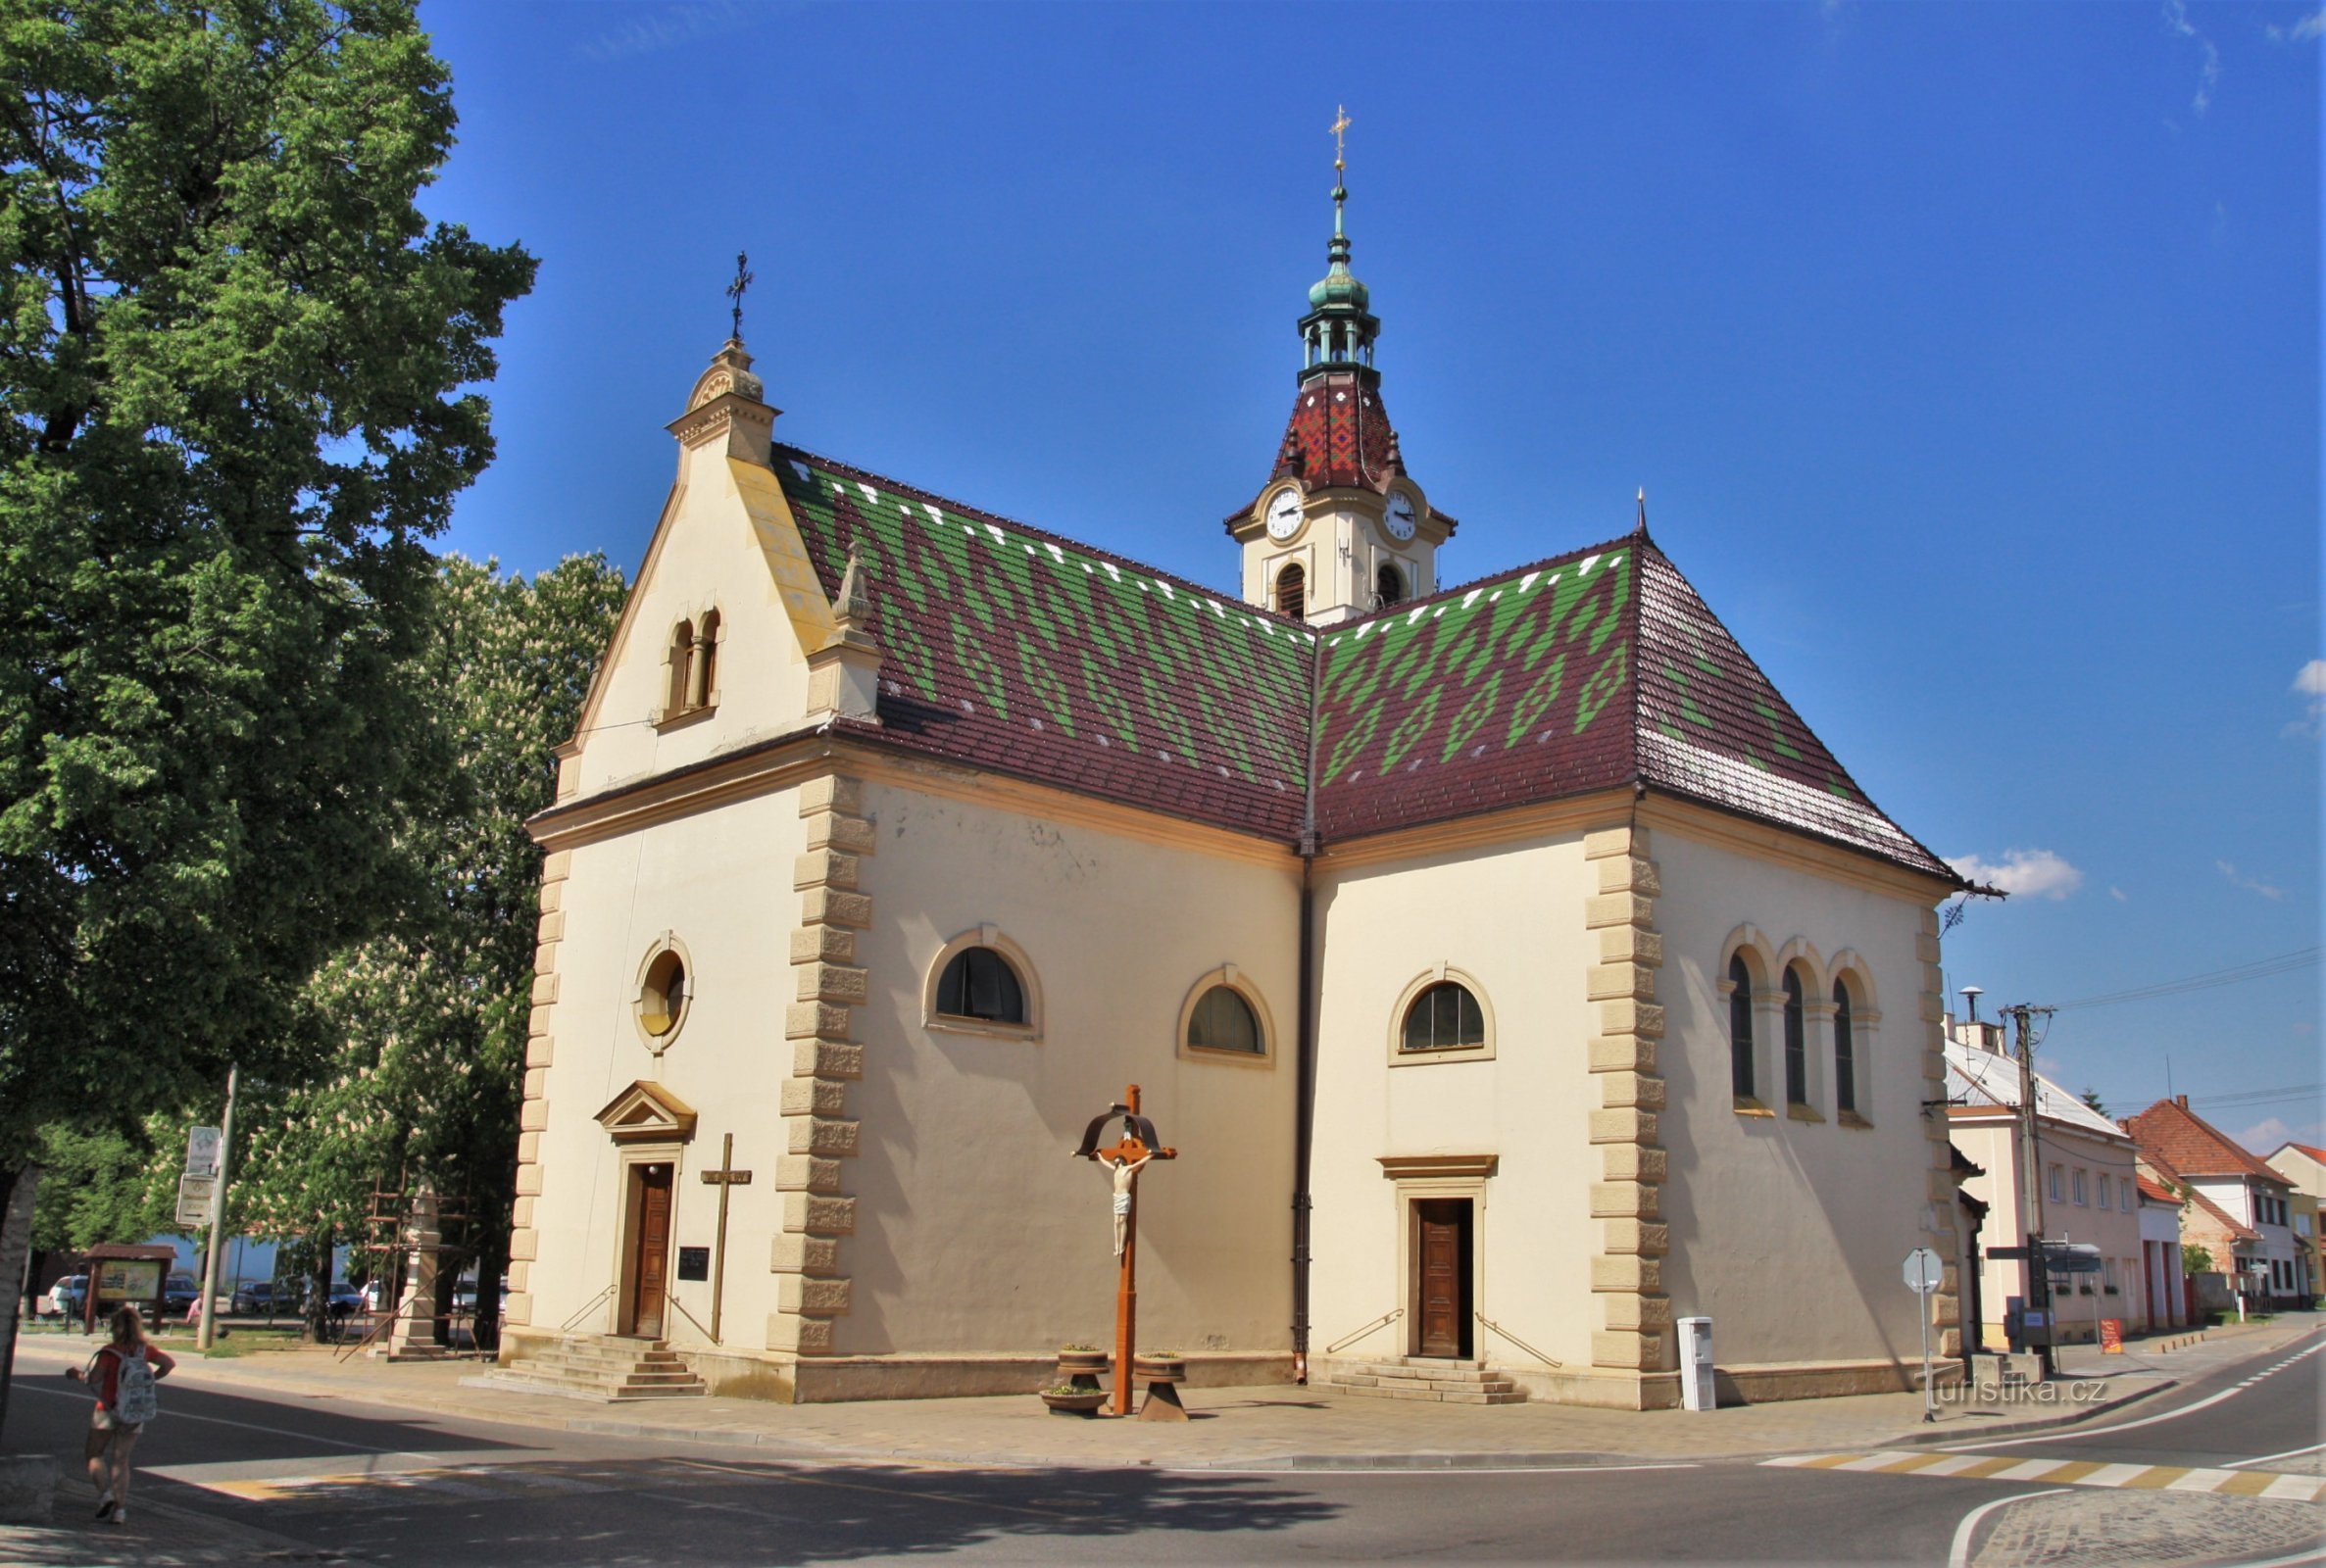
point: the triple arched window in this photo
(1796, 1045)
(1845, 1052)
(691, 669)
(1814, 1019)
(1740, 1027)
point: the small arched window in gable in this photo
(702, 685)
(682, 662)
(1444, 1017)
(1845, 1051)
(978, 983)
(1740, 1026)
(1291, 591)
(1389, 585)
(1224, 1021)
(1797, 1054)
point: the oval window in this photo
(1444, 1017)
(661, 998)
(979, 984)
(1223, 1021)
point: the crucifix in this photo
(1341, 123)
(734, 291)
(1122, 1159)
(726, 1179)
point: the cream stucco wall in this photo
(1789, 1233)
(1992, 1142)
(976, 1233)
(721, 881)
(1510, 920)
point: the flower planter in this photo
(1159, 1369)
(1083, 1363)
(1074, 1401)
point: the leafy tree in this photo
(104, 1185)
(2196, 1258)
(431, 1014)
(236, 396)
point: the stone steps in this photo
(599, 1366)
(1412, 1377)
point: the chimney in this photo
(2181, 1101)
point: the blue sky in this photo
(1969, 356)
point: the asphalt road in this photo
(300, 1479)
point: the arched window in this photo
(700, 685)
(979, 984)
(1444, 1017)
(1291, 591)
(1389, 585)
(682, 660)
(1845, 1052)
(1224, 1021)
(1740, 1027)
(1796, 1055)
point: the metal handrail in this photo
(1381, 1322)
(673, 1299)
(1547, 1360)
(586, 1309)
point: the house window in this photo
(1845, 1052)
(1389, 585)
(1796, 1055)
(2108, 1273)
(1444, 1017)
(2079, 1184)
(700, 686)
(979, 984)
(683, 660)
(1740, 1027)
(2059, 1184)
(1291, 591)
(1224, 1021)
(2105, 1192)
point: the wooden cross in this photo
(726, 1179)
(1341, 123)
(734, 291)
(1129, 1148)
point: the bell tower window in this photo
(1291, 591)
(1389, 585)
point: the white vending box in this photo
(1695, 1364)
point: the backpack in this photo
(133, 1399)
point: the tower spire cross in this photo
(1341, 124)
(734, 291)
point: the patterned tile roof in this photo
(1339, 436)
(1020, 651)
(2176, 1136)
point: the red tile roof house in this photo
(2242, 1211)
(2305, 1166)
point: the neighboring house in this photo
(1517, 938)
(2204, 1161)
(2087, 1188)
(2305, 1166)
(2163, 1279)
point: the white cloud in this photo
(2306, 30)
(2264, 1137)
(665, 27)
(2119, 895)
(2310, 678)
(2028, 873)
(2208, 75)
(2252, 884)
(2309, 684)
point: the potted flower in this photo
(1160, 1366)
(1064, 1398)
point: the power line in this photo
(2238, 974)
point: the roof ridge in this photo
(1406, 606)
(1050, 537)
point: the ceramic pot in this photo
(1082, 1401)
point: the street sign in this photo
(195, 1197)
(202, 1151)
(1923, 1271)
(2072, 1257)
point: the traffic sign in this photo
(1923, 1271)
(195, 1197)
(202, 1151)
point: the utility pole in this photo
(207, 1336)
(2031, 1185)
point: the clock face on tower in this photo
(1284, 515)
(1399, 516)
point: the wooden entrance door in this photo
(1443, 1260)
(650, 1249)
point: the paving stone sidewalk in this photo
(1256, 1428)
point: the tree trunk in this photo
(491, 1259)
(17, 1190)
(318, 1288)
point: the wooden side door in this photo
(1442, 1258)
(650, 1254)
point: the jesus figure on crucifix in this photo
(1125, 1171)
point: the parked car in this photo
(345, 1300)
(66, 1296)
(265, 1297)
(179, 1293)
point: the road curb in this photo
(2074, 1415)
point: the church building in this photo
(1508, 964)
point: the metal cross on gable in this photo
(734, 291)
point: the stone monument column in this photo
(411, 1336)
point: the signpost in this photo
(195, 1197)
(219, 1151)
(1923, 1271)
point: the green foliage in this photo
(2196, 1258)
(235, 398)
(2092, 1098)
(430, 1017)
(103, 1186)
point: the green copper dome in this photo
(1339, 285)
(1339, 328)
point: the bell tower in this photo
(1340, 529)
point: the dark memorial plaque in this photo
(694, 1262)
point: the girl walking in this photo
(122, 1374)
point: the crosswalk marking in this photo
(2067, 1471)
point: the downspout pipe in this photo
(1303, 1125)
